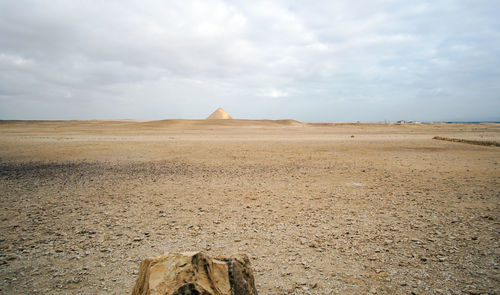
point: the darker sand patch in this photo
(476, 142)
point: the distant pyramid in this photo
(219, 114)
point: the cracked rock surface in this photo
(195, 273)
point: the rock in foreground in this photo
(195, 273)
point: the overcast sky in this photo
(344, 60)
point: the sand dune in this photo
(219, 122)
(130, 126)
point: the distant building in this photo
(219, 114)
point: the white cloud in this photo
(176, 54)
(274, 93)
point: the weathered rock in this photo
(195, 273)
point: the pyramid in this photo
(219, 114)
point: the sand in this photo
(319, 208)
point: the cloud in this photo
(326, 61)
(273, 93)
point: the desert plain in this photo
(318, 208)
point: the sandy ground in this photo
(319, 208)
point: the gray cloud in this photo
(320, 61)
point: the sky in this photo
(313, 61)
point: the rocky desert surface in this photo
(318, 208)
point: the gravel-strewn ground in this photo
(387, 211)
